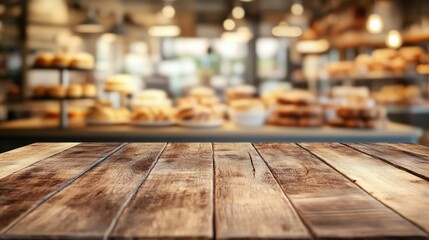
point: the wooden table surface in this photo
(214, 190)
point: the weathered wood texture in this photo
(20, 158)
(32, 185)
(413, 162)
(331, 205)
(411, 148)
(221, 190)
(89, 205)
(249, 202)
(405, 193)
(176, 199)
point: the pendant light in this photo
(168, 11)
(374, 24)
(297, 8)
(90, 24)
(238, 12)
(229, 24)
(167, 28)
(118, 27)
(394, 39)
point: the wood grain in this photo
(411, 148)
(405, 193)
(31, 186)
(413, 162)
(249, 202)
(17, 159)
(176, 199)
(88, 206)
(331, 205)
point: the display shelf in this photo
(369, 77)
(59, 99)
(60, 68)
(64, 80)
(40, 129)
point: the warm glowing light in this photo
(394, 39)
(238, 12)
(229, 24)
(89, 28)
(283, 30)
(168, 11)
(312, 46)
(243, 34)
(164, 31)
(297, 9)
(374, 24)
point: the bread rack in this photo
(64, 81)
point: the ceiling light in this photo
(164, 31)
(238, 12)
(312, 46)
(394, 39)
(243, 34)
(168, 11)
(297, 9)
(283, 30)
(229, 24)
(90, 24)
(374, 24)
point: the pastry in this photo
(247, 105)
(296, 97)
(197, 114)
(44, 60)
(57, 92)
(89, 90)
(201, 92)
(122, 83)
(154, 114)
(82, 60)
(61, 60)
(283, 121)
(240, 92)
(75, 91)
(39, 91)
(103, 113)
(310, 122)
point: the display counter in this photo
(35, 130)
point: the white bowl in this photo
(247, 119)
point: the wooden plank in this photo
(17, 159)
(331, 205)
(412, 162)
(28, 188)
(88, 206)
(405, 193)
(411, 148)
(176, 199)
(249, 202)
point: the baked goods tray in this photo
(61, 68)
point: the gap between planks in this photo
(132, 195)
(60, 188)
(303, 220)
(390, 162)
(362, 188)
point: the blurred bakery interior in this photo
(214, 70)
